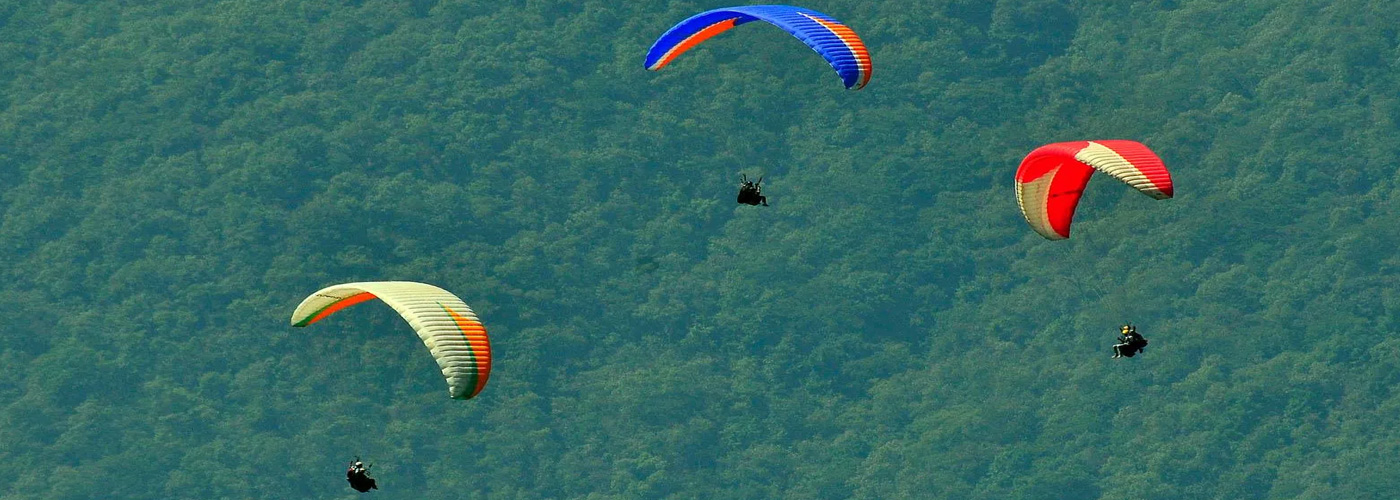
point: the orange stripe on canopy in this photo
(692, 41)
(342, 304)
(475, 333)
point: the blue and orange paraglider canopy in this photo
(837, 43)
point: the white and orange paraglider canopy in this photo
(449, 328)
(1052, 178)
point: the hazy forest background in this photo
(176, 175)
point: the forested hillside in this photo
(176, 175)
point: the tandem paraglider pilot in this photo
(751, 193)
(358, 476)
(1130, 342)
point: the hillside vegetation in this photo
(176, 175)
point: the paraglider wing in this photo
(450, 330)
(1051, 179)
(837, 43)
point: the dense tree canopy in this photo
(175, 175)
